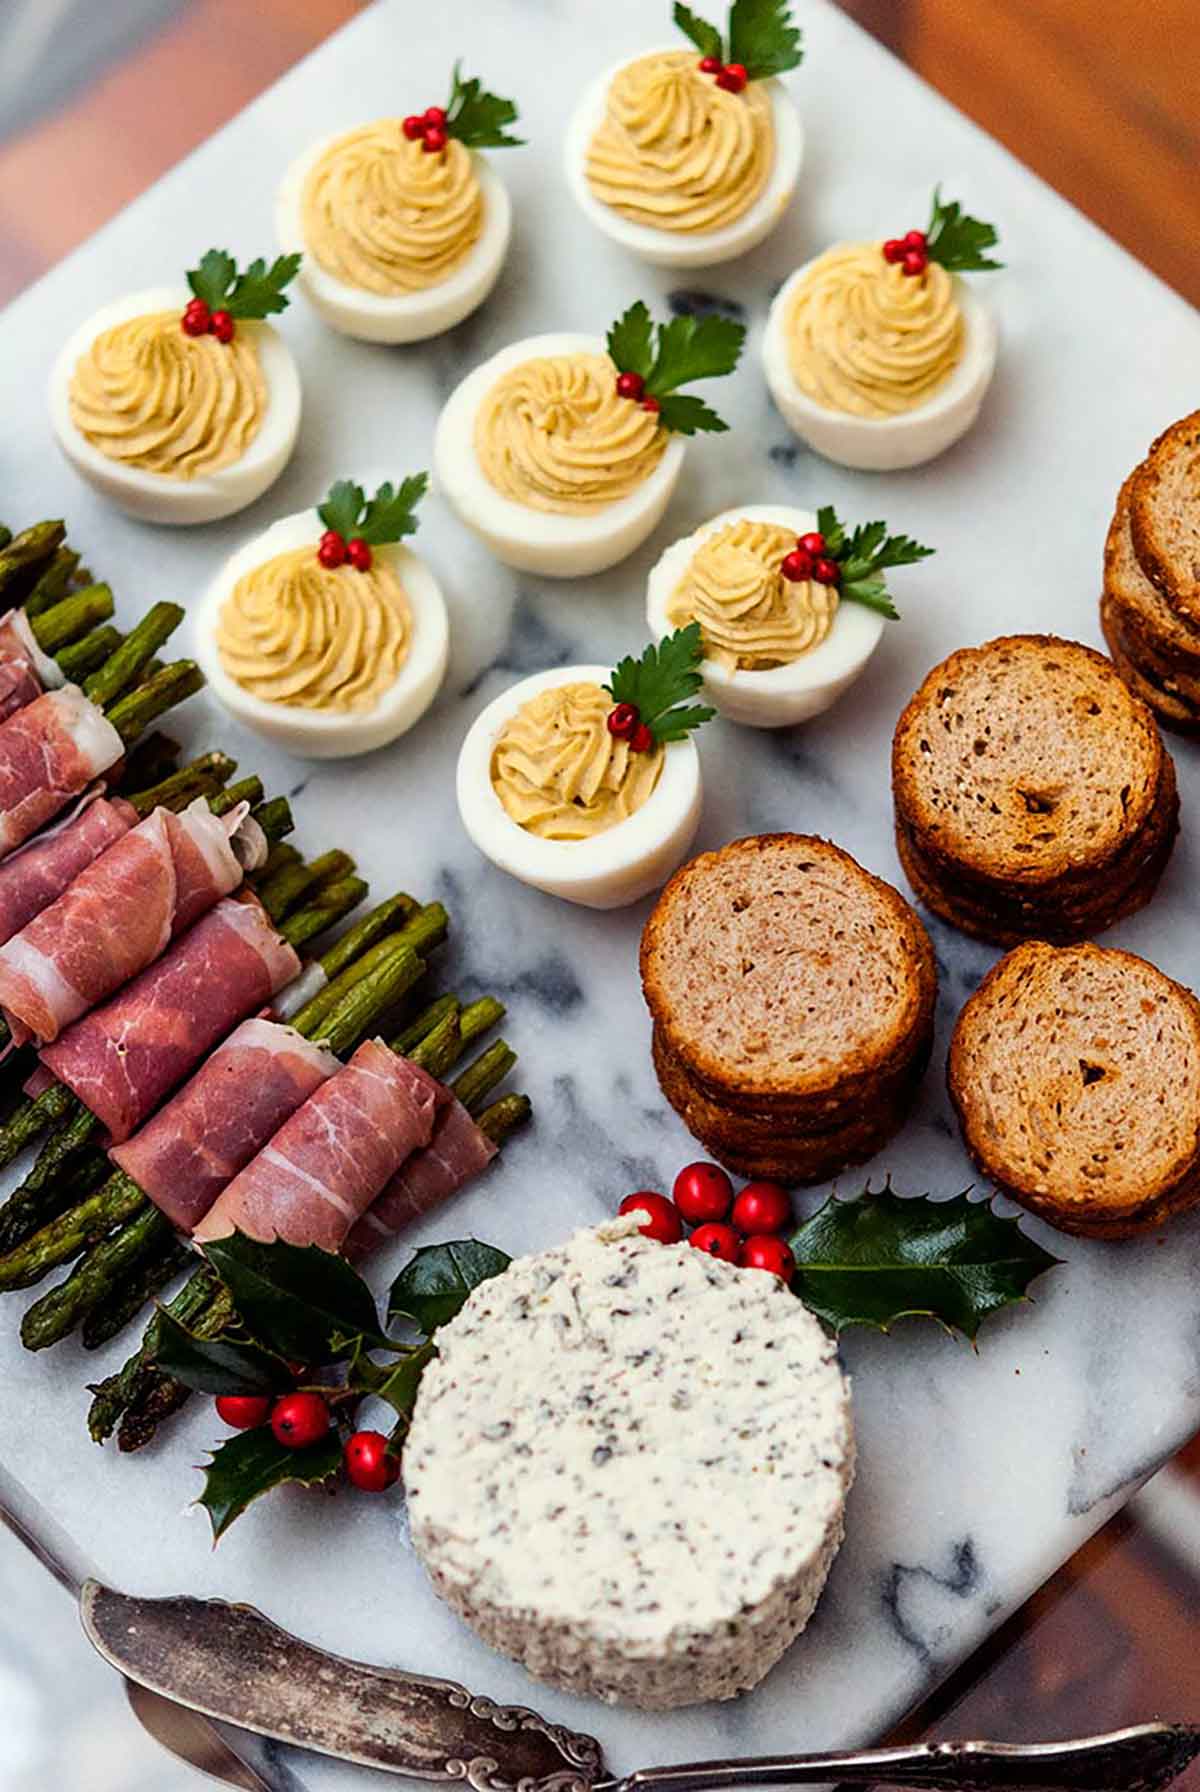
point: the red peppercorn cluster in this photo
(731, 76)
(809, 559)
(198, 320)
(624, 723)
(334, 550)
(430, 127)
(633, 386)
(911, 251)
(301, 1419)
(744, 1229)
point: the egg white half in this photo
(776, 696)
(406, 317)
(560, 547)
(610, 869)
(154, 497)
(885, 444)
(683, 248)
(319, 733)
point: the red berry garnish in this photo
(369, 1464)
(331, 550)
(641, 740)
(797, 565)
(358, 553)
(732, 77)
(915, 261)
(651, 404)
(413, 126)
(813, 543)
(298, 1420)
(702, 1192)
(623, 718)
(915, 239)
(630, 385)
(717, 1241)
(434, 115)
(827, 572)
(761, 1208)
(893, 249)
(222, 326)
(768, 1253)
(196, 318)
(435, 139)
(245, 1412)
(710, 65)
(662, 1216)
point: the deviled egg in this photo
(690, 157)
(790, 607)
(562, 452)
(178, 406)
(326, 634)
(403, 225)
(877, 354)
(570, 785)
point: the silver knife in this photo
(230, 1662)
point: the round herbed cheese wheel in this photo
(628, 1467)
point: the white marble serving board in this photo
(980, 1472)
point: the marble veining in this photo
(980, 1471)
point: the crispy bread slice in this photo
(1159, 692)
(1025, 762)
(780, 972)
(1075, 1072)
(1165, 515)
(1148, 622)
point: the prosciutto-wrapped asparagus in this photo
(40, 871)
(50, 751)
(456, 1152)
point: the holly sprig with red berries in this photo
(760, 41)
(650, 694)
(305, 1348)
(222, 294)
(853, 562)
(952, 238)
(654, 360)
(354, 523)
(479, 120)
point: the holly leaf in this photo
(763, 39)
(631, 341)
(879, 1258)
(253, 1463)
(433, 1285)
(389, 515)
(218, 1365)
(958, 241)
(478, 119)
(694, 348)
(706, 37)
(658, 684)
(342, 507)
(686, 415)
(305, 1303)
(401, 1387)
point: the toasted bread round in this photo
(1159, 691)
(1147, 620)
(779, 972)
(1165, 515)
(1075, 1072)
(1025, 763)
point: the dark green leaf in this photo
(342, 507)
(306, 1303)
(863, 556)
(831, 529)
(694, 348)
(762, 38)
(401, 1386)
(871, 592)
(478, 119)
(389, 515)
(253, 1463)
(880, 1258)
(684, 414)
(216, 1365)
(213, 278)
(706, 37)
(958, 241)
(630, 341)
(259, 292)
(432, 1287)
(659, 683)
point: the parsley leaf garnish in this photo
(706, 37)
(258, 292)
(684, 414)
(631, 341)
(659, 684)
(864, 556)
(958, 241)
(478, 119)
(760, 32)
(388, 516)
(670, 355)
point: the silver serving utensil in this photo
(228, 1661)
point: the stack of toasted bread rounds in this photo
(1034, 797)
(1150, 605)
(1075, 1071)
(792, 995)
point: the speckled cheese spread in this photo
(628, 1468)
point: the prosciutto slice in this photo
(222, 1117)
(457, 1152)
(118, 916)
(19, 647)
(325, 1165)
(50, 751)
(39, 872)
(126, 1056)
